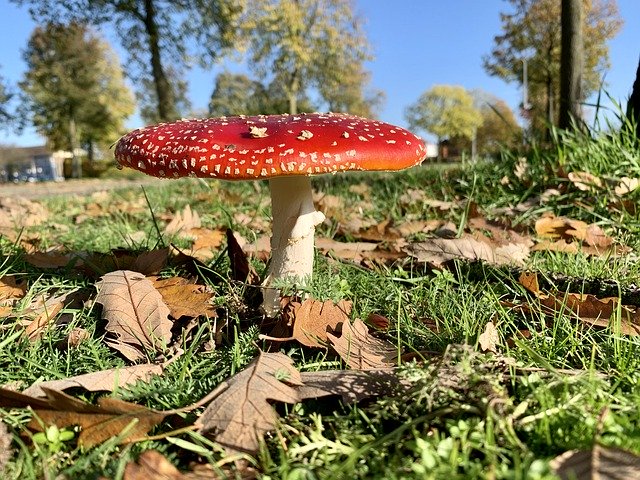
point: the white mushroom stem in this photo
(294, 224)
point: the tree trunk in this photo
(292, 93)
(633, 106)
(166, 103)
(76, 162)
(571, 63)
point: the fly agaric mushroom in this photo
(286, 149)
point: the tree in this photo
(5, 98)
(305, 44)
(157, 33)
(446, 111)
(633, 105)
(532, 32)
(499, 128)
(571, 63)
(73, 89)
(237, 94)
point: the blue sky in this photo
(416, 44)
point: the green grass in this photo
(561, 386)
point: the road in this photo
(33, 191)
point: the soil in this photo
(81, 187)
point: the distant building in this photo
(31, 164)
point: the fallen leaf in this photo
(152, 465)
(626, 185)
(6, 452)
(184, 298)
(355, 251)
(351, 385)
(569, 229)
(73, 339)
(46, 310)
(98, 423)
(12, 287)
(489, 339)
(585, 181)
(438, 251)
(17, 212)
(359, 349)
(206, 242)
(51, 259)
(183, 222)
(241, 414)
(135, 312)
(241, 269)
(105, 380)
(602, 463)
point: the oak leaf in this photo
(312, 318)
(359, 349)
(135, 312)
(241, 414)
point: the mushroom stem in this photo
(294, 223)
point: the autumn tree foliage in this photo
(73, 88)
(162, 37)
(446, 111)
(307, 44)
(238, 94)
(499, 128)
(531, 31)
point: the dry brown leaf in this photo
(45, 310)
(73, 339)
(568, 229)
(135, 312)
(626, 185)
(312, 318)
(184, 298)
(51, 259)
(98, 422)
(241, 269)
(105, 380)
(356, 251)
(360, 350)
(12, 287)
(206, 242)
(585, 181)
(6, 452)
(152, 465)
(599, 463)
(489, 339)
(183, 222)
(17, 212)
(438, 251)
(241, 414)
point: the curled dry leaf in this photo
(12, 287)
(360, 350)
(135, 312)
(351, 385)
(241, 414)
(98, 423)
(105, 380)
(438, 251)
(603, 463)
(183, 222)
(489, 339)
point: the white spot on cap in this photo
(305, 135)
(258, 132)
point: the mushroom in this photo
(287, 150)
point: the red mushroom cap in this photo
(242, 148)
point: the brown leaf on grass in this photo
(17, 212)
(359, 349)
(241, 414)
(571, 230)
(43, 312)
(489, 339)
(73, 339)
(105, 380)
(6, 452)
(585, 181)
(356, 251)
(599, 463)
(12, 287)
(587, 308)
(183, 222)
(438, 251)
(50, 259)
(152, 465)
(241, 269)
(98, 422)
(626, 185)
(184, 298)
(147, 263)
(500, 232)
(206, 242)
(135, 312)
(310, 320)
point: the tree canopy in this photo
(73, 88)
(158, 36)
(307, 44)
(237, 94)
(531, 31)
(445, 111)
(499, 128)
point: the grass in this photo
(468, 414)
